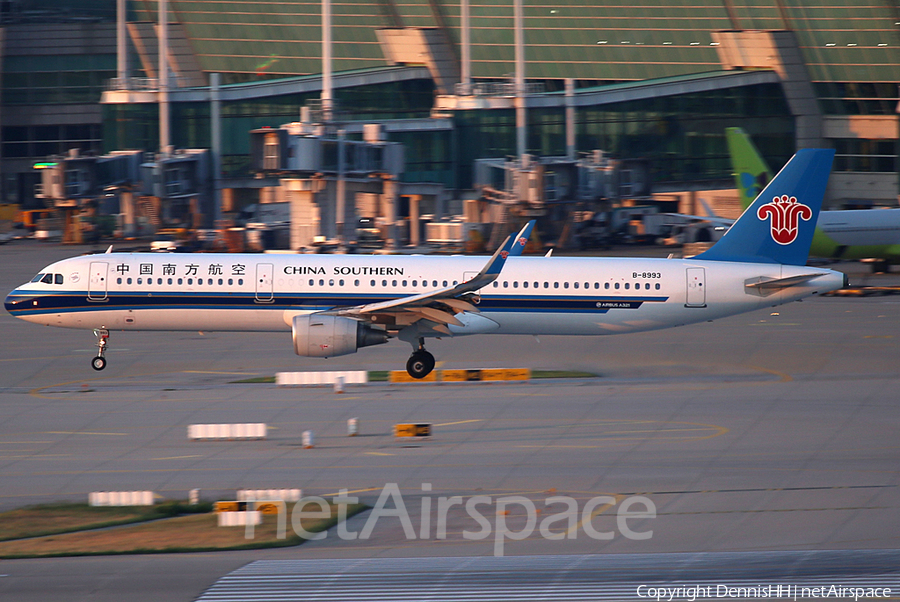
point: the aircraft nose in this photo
(12, 301)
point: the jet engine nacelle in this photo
(317, 335)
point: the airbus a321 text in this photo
(337, 304)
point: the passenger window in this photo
(505, 284)
(627, 286)
(321, 283)
(576, 285)
(240, 281)
(356, 283)
(220, 282)
(415, 283)
(657, 286)
(565, 285)
(455, 283)
(331, 282)
(128, 281)
(230, 281)
(617, 286)
(525, 284)
(58, 278)
(393, 283)
(384, 283)
(118, 281)
(606, 286)
(546, 285)
(341, 282)
(372, 283)
(434, 283)
(496, 284)
(556, 285)
(190, 281)
(445, 283)
(536, 284)
(47, 279)
(140, 281)
(180, 281)
(516, 284)
(209, 281)
(647, 286)
(587, 285)
(199, 281)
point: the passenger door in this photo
(97, 283)
(696, 287)
(265, 283)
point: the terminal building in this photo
(656, 81)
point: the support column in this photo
(216, 138)
(521, 118)
(163, 77)
(341, 192)
(121, 45)
(414, 239)
(389, 207)
(126, 206)
(570, 119)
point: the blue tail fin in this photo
(778, 227)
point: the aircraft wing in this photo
(719, 221)
(441, 305)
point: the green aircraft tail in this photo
(751, 174)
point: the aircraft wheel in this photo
(98, 363)
(420, 364)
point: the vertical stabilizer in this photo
(751, 174)
(778, 226)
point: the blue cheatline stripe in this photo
(307, 301)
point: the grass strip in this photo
(53, 519)
(188, 533)
(561, 374)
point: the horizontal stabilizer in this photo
(777, 283)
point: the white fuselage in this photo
(532, 295)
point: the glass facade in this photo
(137, 126)
(682, 136)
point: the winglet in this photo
(511, 247)
(109, 250)
(521, 239)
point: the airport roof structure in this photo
(605, 40)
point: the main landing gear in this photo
(420, 363)
(99, 362)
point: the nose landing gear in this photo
(99, 362)
(420, 363)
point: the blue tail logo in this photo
(778, 226)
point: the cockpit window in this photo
(37, 278)
(57, 278)
(47, 279)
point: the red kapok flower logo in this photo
(786, 214)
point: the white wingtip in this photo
(109, 250)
